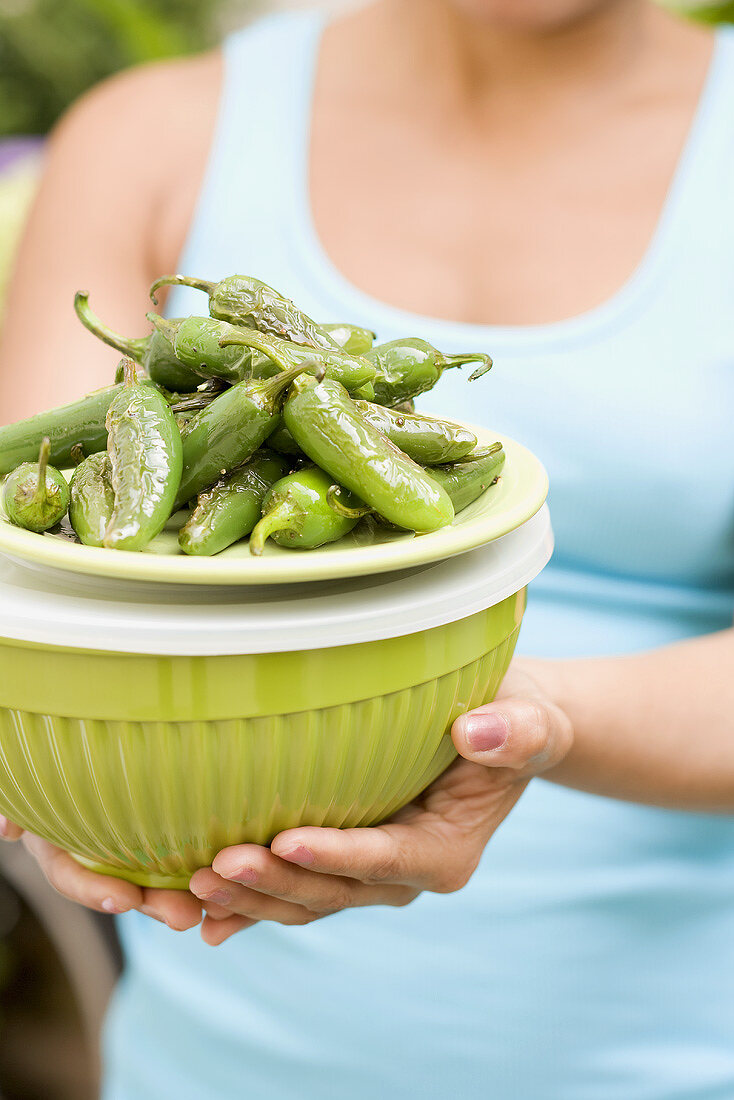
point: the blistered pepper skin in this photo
(297, 514)
(423, 438)
(92, 499)
(146, 457)
(229, 510)
(328, 427)
(410, 366)
(466, 481)
(36, 495)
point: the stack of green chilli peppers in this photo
(257, 419)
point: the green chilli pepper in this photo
(229, 431)
(296, 513)
(36, 495)
(145, 450)
(423, 438)
(92, 499)
(352, 338)
(353, 371)
(466, 481)
(409, 367)
(79, 425)
(229, 510)
(244, 300)
(154, 353)
(328, 427)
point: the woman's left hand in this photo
(434, 843)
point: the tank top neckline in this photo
(627, 299)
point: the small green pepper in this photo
(466, 481)
(145, 452)
(36, 495)
(282, 441)
(244, 300)
(154, 353)
(296, 513)
(195, 341)
(329, 428)
(423, 438)
(229, 510)
(70, 428)
(229, 430)
(92, 499)
(408, 367)
(352, 338)
(353, 371)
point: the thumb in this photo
(526, 736)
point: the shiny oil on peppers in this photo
(92, 499)
(410, 366)
(36, 496)
(423, 438)
(296, 513)
(329, 428)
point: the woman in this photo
(552, 179)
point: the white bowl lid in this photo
(60, 609)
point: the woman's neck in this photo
(457, 60)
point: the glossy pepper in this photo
(92, 499)
(466, 481)
(245, 300)
(423, 438)
(75, 430)
(328, 427)
(229, 430)
(353, 371)
(145, 452)
(36, 495)
(154, 353)
(296, 513)
(229, 510)
(408, 367)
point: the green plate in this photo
(517, 496)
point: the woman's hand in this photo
(434, 844)
(176, 908)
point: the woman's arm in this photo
(656, 728)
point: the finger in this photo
(262, 871)
(9, 831)
(101, 892)
(526, 736)
(176, 908)
(396, 854)
(208, 886)
(215, 932)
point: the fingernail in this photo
(111, 906)
(299, 854)
(222, 897)
(152, 913)
(486, 732)
(245, 875)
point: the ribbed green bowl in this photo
(146, 766)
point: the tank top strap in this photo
(247, 211)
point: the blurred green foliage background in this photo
(52, 50)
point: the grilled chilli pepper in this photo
(36, 495)
(296, 513)
(231, 508)
(425, 439)
(244, 300)
(145, 450)
(79, 425)
(353, 371)
(92, 499)
(466, 481)
(229, 430)
(328, 427)
(153, 353)
(409, 367)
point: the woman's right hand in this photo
(178, 909)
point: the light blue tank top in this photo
(591, 957)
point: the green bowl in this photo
(145, 767)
